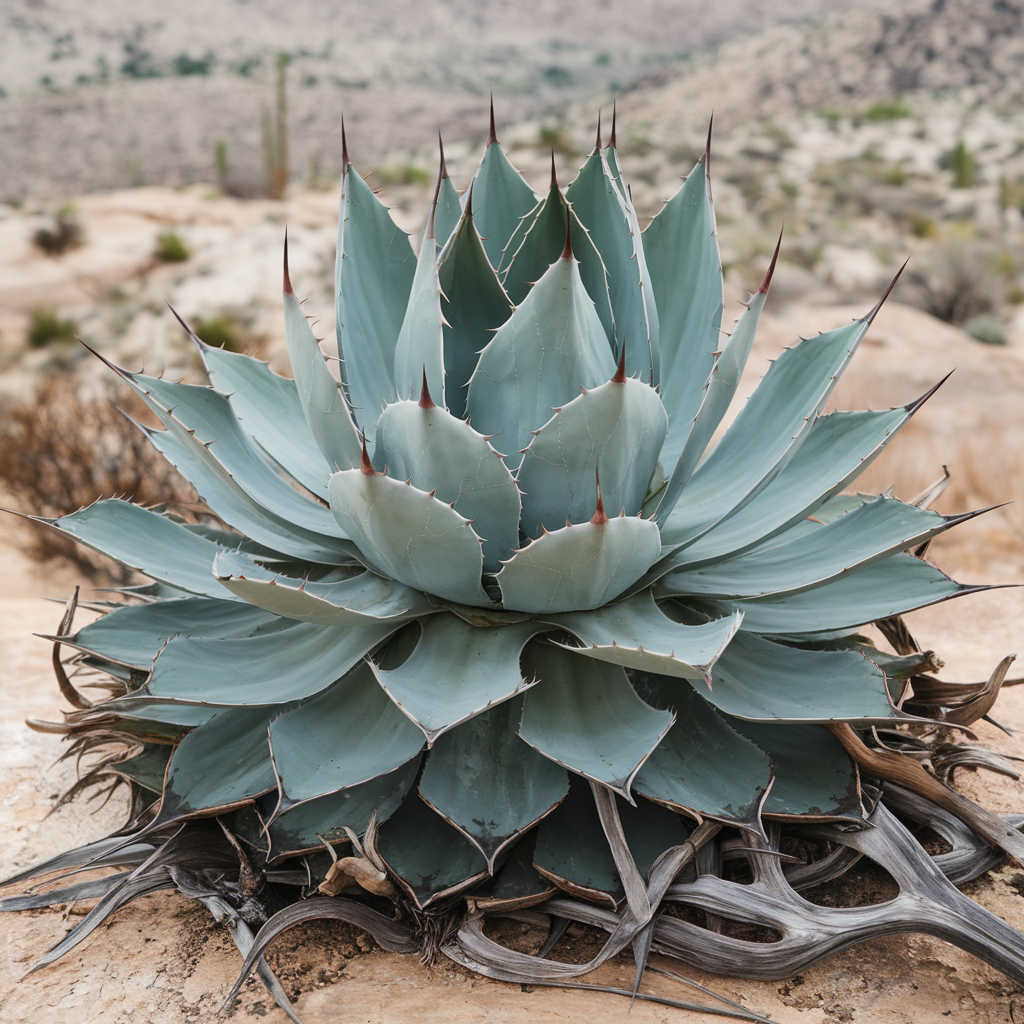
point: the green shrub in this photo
(886, 110)
(66, 233)
(45, 325)
(986, 329)
(219, 331)
(170, 248)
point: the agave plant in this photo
(496, 623)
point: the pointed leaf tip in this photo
(567, 251)
(365, 465)
(597, 146)
(870, 316)
(426, 402)
(599, 518)
(620, 373)
(287, 279)
(912, 407)
(766, 283)
(611, 138)
(554, 178)
(345, 162)
(492, 135)
(444, 166)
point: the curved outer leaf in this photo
(586, 716)
(441, 453)
(602, 210)
(156, 546)
(291, 664)
(345, 736)
(152, 717)
(323, 404)
(457, 671)
(203, 421)
(419, 351)
(298, 829)
(447, 210)
(410, 535)
(148, 769)
(703, 764)
(241, 511)
(552, 345)
(830, 791)
(373, 276)
(579, 567)
(473, 306)
(719, 391)
(133, 635)
(896, 585)
(613, 433)
(483, 779)
(429, 858)
(268, 408)
(638, 634)
(501, 198)
(681, 245)
(769, 682)
(359, 598)
(766, 434)
(220, 765)
(534, 246)
(839, 447)
(857, 539)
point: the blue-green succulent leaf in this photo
(703, 764)
(298, 829)
(551, 346)
(439, 452)
(268, 408)
(579, 567)
(501, 198)
(409, 535)
(602, 210)
(720, 389)
(352, 599)
(419, 351)
(830, 791)
(516, 884)
(323, 404)
(638, 634)
(483, 779)
(534, 246)
(447, 210)
(473, 305)
(429, 858)
(345, 736)
(240, 510)
(681, 245)
(457, 671)
(220, 765)
(134, 635)
(819, 554)
(586, 716)
(890, 587)
(613, 433)
(202, 420)
(766, 434)
(146, 541)
(149, 768)
(770, 682)
(289, 664)
(838, 448)
(372, 281)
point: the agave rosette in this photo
(504, 564)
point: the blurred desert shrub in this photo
(64, 452)
(170, 247)
(986, 329)
(46, 325)
(63, 234)
(956, 281)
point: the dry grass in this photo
(62, 453)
